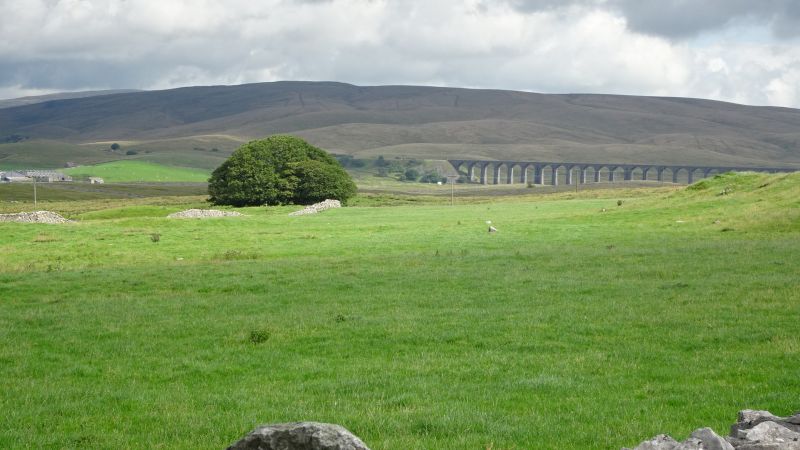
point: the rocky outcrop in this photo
(201, 213)
(33, 217)
(754, 430)
(300, 436)
(317, 207)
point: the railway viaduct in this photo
(586, 172)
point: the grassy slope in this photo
(129, 171)
(570, 328)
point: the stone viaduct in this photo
(518, 170)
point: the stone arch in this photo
(711, 171)
(615, 173)
(522, 174)
(588, 173)
(600, 173)
(559, 174)
(664, 174)
(695, 173)
(550, 173)
(569, 173)
(635, 173)
(681, 174)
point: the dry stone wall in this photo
(201, 213)
(318, 207)
(33, 217)
(754, 430)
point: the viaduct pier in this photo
(540, 172)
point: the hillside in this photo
(22, 101)
(411, 121)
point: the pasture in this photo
(580, 324)
(139, 171)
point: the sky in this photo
(744, 51)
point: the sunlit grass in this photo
(580, 324)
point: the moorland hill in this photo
(409, 121)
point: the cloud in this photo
(680, 19)
(607, 46)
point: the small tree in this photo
(115, 146)
(279, 170)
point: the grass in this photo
(580, 324)
(14, 196)
(133, 171)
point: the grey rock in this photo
(691, 444)
(770, 432)
(300, 436)
(660, 442)
(761, 446)
(754, 415)
(749, 418)
(710, 440)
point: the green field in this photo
(134, 171)
(580, 324)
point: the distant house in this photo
(14, 177)
(47, 176)
(96, 180)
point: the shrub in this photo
(279, 170)
(114, 146)
(410, 175)
(381, 161)
(315, 181)
(433, 177)
(259, 336)
(131, 152)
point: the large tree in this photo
(279, 170)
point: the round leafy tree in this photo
(279, 170)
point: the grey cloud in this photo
(679, 19)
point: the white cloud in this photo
(586, 47)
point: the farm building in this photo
(48, 176)
(96, 180)
(13, 177)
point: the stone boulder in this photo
(701, 439)
(754, 430)
(300, 436)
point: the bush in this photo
(115, 146)
(316, 181)
(131, 152)
(279, 170)
(410, 175)
(433, 177)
